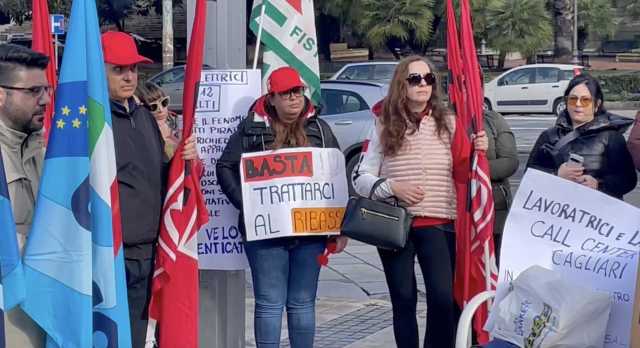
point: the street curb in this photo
(635, 105)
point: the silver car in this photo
(367, 71)
(171, 81)
(346, 106)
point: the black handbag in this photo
(377, 223)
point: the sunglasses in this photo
(158, 104)
(415, 79)
(573, 100)
(293, 92)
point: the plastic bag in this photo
(543, 310)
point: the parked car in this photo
(346, 106)
(171, 81)
(366, 71)
(533, 88)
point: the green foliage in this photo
(519, 26)
(619, 84)
(405, 20)
(597, 17)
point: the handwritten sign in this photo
(223, 101)
(293, 192)
(593, 239)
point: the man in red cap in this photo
(142, 168)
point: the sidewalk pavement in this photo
(353, 309)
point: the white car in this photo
(534, 88)
(366, 71)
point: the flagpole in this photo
(257, 51)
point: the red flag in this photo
(174, 302)
(41, 42)
(476, 269)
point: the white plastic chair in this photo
(463, 334)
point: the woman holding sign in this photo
(586, 144)
(417, 147)
(284, 270)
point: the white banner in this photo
(293, 192)
(224, 100)
(593, 239)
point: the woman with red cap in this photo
(284, 270)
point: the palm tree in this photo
(562, 11)
(596, 18)
(402, 22)
(519, 26)
(347, 12)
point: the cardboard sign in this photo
(593, 239)
(293, 192)
(224, 99)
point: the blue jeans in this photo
(285, 272)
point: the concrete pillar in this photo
(222, 293)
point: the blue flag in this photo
(73, 262)
(11, 279)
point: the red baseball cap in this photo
(120, 49)
(284, 79)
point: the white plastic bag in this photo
(543, 310)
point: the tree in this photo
(393, 23)
(562, 12)
(347, 12)
(595, 18)
(519, 26)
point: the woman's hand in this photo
(570, 171)
(341, 243)
(480, 141)
(190, 152)
(407, 192)
(588, 181)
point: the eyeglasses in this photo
(34, 91)
(156, 105)
(585, 101)
(293, 92)
(415, 79)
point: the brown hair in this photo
(396, 116)
(287, 134)
(149, 92)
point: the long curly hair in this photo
(397, 119)
(288, 134)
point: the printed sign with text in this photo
(223, 101)
(293, 192)
(592, 238)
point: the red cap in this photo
(120, 49)
(284, 79)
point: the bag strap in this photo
(564, 141)
(375, 186)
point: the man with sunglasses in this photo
(142, 168)
(24, 95)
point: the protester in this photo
(142, 168)
(24, 95)
(417, 147)
(503, 163)
(284, 270)
(634, 141)
(154, 99)
(586, 144)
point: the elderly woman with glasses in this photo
(157, 102)
(421, 152)
(586, 144)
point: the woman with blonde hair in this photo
(154, 98)
(418, 148)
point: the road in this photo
(527, 128)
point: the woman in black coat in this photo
(586, 144)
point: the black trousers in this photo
(435, 248)
(139, 271)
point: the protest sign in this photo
(293, 192)
(592, 238)
(223, 101)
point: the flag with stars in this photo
(73, 261)
(11, 280)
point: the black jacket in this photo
(254, 135)
(142, 167)
(601, 144)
